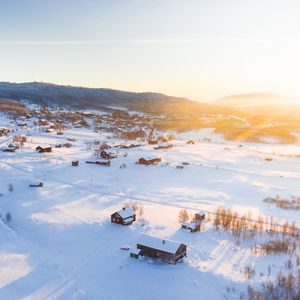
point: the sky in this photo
(200, 49)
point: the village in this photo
(138, 200)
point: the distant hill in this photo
(80, 97)
(253, 100)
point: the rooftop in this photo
(159, 243)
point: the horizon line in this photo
(147, 41)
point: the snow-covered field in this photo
(60, 243)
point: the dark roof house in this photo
(161, 249)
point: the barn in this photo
(125, 216)
(161, 249)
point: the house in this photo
(107, 155)
(104, 147)
(191, 142)
(125, 216)
(161, 249)
(195, 225)
(50, 130)
(38, 184)
(147, 162)
(152, 142)
(4, 131)
(164, 147)
(101, 163)
(8, 149)
(199, 217)
(22, 125)
(40, 149)
(191, 226)
(13, 145)
(75, 163)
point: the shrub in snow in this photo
(10, 187)
(183, 216)
(8, 217)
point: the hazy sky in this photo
(201, 49)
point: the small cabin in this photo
(191, 226)
(38, 184)
(107, 155)
(160, 249)
(8, 149)
(195, 225)
(147, 162)
(75, 163)
(199, 217)
(125, 216)
(40, 149)
(152, 142)
(191, 142)
(4, 131)
(104, 147)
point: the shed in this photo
(135, 253)
(147, 162)
(162, 249)
(107, 155)
(75, 163)
(37, 184)
(125, 216)
(192, 226)
(199, 217)
(191, 142)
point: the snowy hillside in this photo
(51, 94)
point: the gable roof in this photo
(200, 213)
(126, 212)
(164, 245)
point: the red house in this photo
(125, 216)
(40, 149)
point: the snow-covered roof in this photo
(126, 212)
(191, 225)
(159, 243)
(135, 251)
(200, 213)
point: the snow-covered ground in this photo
(60, 243)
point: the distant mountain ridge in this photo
(80, 97)
(253, 99)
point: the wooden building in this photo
(191, 226)
(199, 217)
(75, 163)
(99, 163)
(161, 249)
(4, 131)
(125, 216)
(37, 184)
(195, 225)
(107, 155)
(40, 149)
(147, 162)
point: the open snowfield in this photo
(60, 243)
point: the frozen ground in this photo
(60, 243)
